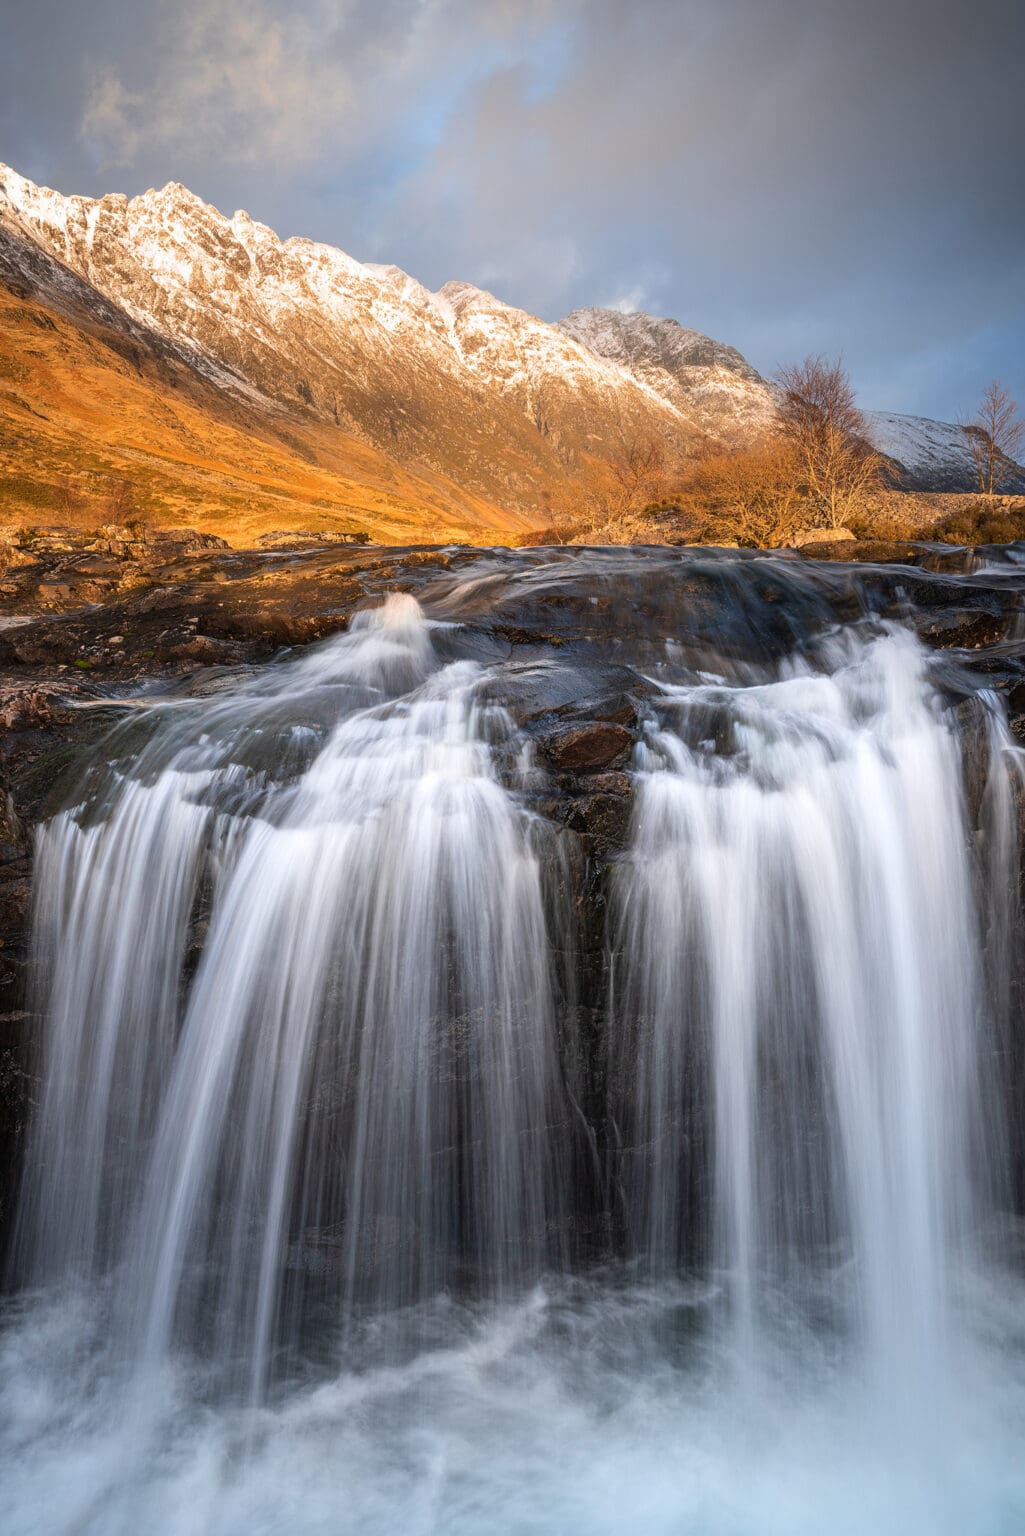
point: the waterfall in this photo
(355, 1095)
(402, 1159)
(803, 1045)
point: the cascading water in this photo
(352, 1204)
(800, 957)
(360, 1088)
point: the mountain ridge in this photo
(473, 416)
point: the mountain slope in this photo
(103, 419)
(932, 455)
(456, 383)
(506, 411)
(710, 382)
(254, 383)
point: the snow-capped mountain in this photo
(703, 375)
(256, 304)
(932, 455)
(692, 372)
(456, 381)
(480, 403)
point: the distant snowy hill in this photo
(933, 454)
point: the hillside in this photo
(455, 386)
(101, 419)
(932, 455)
(165, 362)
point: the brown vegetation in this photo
(752, 497)
(817, 472)
(840, 473)
(644, 475)
(748, 498)
(88, 437)
(980, 520)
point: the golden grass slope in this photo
(96, 426)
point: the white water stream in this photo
(297, 1242)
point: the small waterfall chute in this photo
(801, 1043)
(356, 1096)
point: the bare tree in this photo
(640, 476)
(119, 500)
(995, 436)
(613, 511)
(68, 502)
(839, 469)
(753, 495)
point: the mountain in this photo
(501, 414)
(716, 381)
(102, 418)
(161, 357)
(706, 379)
(932, 455)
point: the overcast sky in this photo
(791, 176)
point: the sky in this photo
(789, 176)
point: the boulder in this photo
(806, 536)
(597, 745)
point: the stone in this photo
(806, 536)
(599, 744)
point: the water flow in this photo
(298, 1229)
(355, 1097)
(803, 1040)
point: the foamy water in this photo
(589, 1409)
(339, 1218)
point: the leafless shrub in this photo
(838, 469)
(751, 497)
(995, 436)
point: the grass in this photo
(86, 438)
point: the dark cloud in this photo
(789, 175)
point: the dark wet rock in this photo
(586, 748)
(969, 631)
(544, 692)
(600, 823)
(607, 783)
(596, 807)
(604, 819)
(17, 1090)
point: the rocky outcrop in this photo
(590, 748)
(58, 568)
(699, 376)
